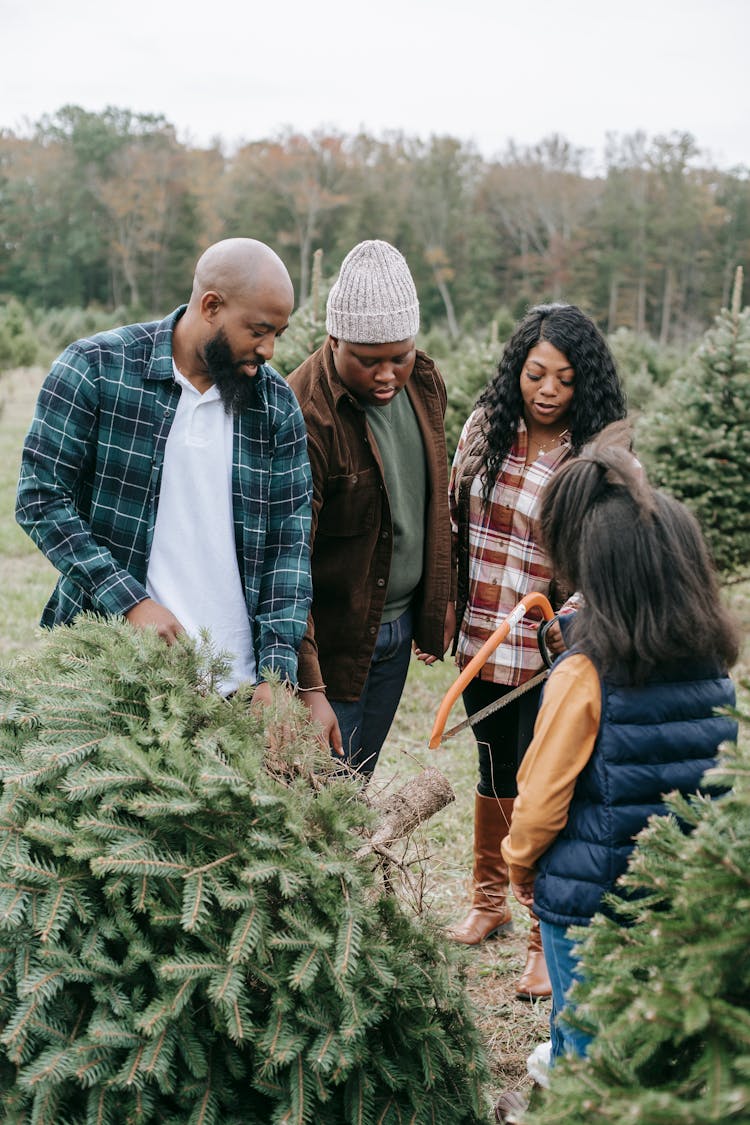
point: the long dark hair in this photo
(638, 557)
(598, 395)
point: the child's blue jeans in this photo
(562, 966)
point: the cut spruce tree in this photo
(188, 934)
(666, 994)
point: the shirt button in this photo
(380, 582)
(355, 478)
(372, 630)
(385, 535)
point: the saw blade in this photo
(497, 704)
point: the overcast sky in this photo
(482, 70)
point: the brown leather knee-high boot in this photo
(490, 912)
(534, 983)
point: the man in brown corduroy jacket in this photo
(381, 544)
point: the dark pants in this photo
(365, 723)
(503, 737)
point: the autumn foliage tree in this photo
(112, 208)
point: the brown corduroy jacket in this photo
(351, 539)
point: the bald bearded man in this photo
(165, 473)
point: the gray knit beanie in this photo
(374, 300)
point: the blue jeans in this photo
(365, 723)
(562, 966)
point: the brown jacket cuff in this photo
(309, 675)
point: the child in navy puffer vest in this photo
(629, 713)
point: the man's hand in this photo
(324, 717)
(262, 696)
(150, 613)
(449, 628)
(279, 729)
(524, 892)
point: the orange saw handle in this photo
(477, 661)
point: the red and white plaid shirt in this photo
(506, 561)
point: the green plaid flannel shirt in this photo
(91, 471)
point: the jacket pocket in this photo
(351, 504)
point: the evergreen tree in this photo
(307, 325)
(695, 439)
(187, 934)
(667, 993)
(18, 347)
(466, 370)
(642, 365)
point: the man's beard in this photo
(235, 386)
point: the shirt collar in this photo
(160, 363)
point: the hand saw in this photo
(531, 601)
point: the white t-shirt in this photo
(193, 568)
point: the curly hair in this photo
(651, 596)
(598, 395)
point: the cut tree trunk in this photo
(401, 812)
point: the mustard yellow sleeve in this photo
(564, 736)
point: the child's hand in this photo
(554, 639)
(524, 892)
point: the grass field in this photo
(511, 1027)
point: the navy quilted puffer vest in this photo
(652, 740)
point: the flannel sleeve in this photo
(286, 584)
(310, 674)
(57, 464)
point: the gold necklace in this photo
(548, 443)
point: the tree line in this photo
(112, 209)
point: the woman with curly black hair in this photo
(555, 388)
